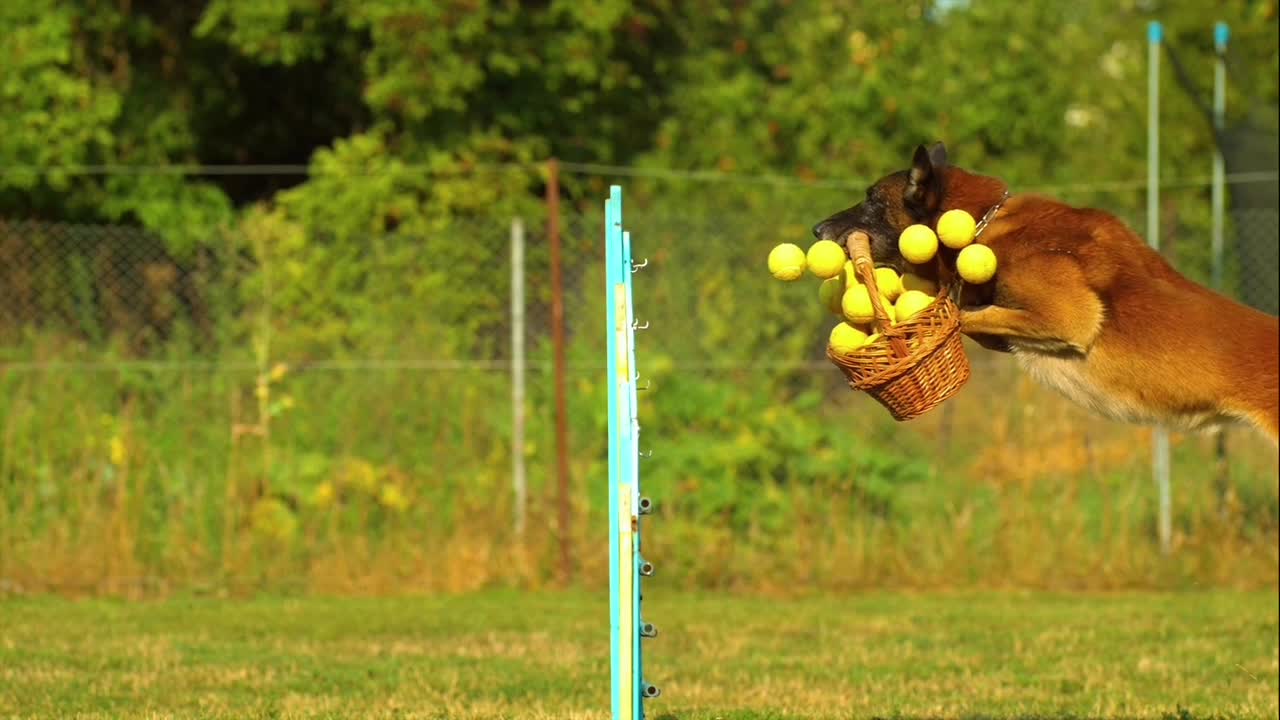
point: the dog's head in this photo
(916, 195)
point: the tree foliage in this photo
(1044, 92)
(412, 116)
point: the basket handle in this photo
(950, 284)
(860, 250)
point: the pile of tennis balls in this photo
(903, 297)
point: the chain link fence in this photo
(118, 286)
(117, 296)
(381, 366)
(97, 283)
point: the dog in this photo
(1083, 303)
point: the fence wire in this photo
(121, 296)
(394, 351)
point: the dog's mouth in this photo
(881, 235)
(884, 252)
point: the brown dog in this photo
(1084, 304)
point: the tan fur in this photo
(1091, 311)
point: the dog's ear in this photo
(938, 155)
(925, 184)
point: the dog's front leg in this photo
(1030, 312)
(1011, 327)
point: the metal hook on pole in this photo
(640, 265)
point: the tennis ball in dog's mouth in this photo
(825, 258)
(830, 293)
(786, 262)
(976, 264)
(956, 228)
(915, 282)
(918, 244)
(856, 304)
(910, 303)
(846, 338)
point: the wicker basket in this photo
(922, 364)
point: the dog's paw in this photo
(991, 342)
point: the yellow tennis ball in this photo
(850, 274)
(826, 259)
(845, 338)
(918, 244)
(786, 262)
(889, 310)
(910, 303)
(956, 228)
(976, 264)
(915, 282)
(830, 293)
(888, 283)
(873, 338)
(856, 304)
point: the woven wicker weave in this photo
(922, 364)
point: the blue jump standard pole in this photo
(626, 567)
(613, 263)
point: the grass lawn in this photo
(503, 654)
